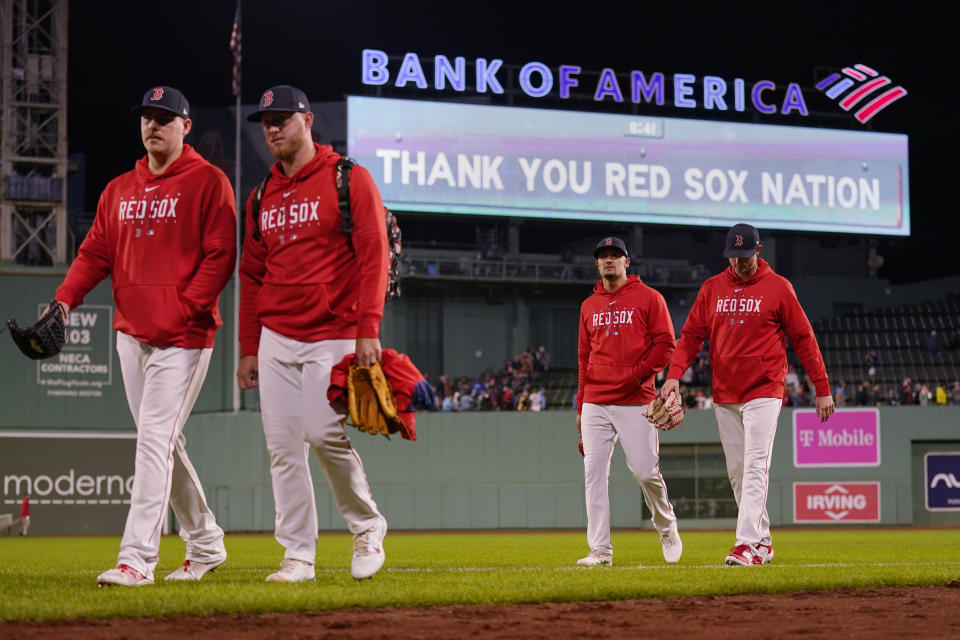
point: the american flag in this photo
(235, 47)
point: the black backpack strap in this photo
(255, 206)
(344, 167)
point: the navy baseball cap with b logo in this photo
(282, 97)
(610, 243)
(166, 98)
(742, 241)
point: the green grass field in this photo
(55, 578)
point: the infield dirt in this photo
(876, 614)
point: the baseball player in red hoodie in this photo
(165, 233)
(746, 313)
(308, 298)
(626, 337)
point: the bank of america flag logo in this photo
(858, 85)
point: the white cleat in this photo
(293, 571)
(124, 576)
(672, 546)
(595, 559)
(193, 570)
(368, 554)
(763, 553)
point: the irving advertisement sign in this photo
(836, 502)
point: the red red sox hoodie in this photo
(747, 323)
(168, 242)
(625, 338)
(301, 279)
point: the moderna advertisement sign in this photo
(78, 482)
(850, 438)
(838, 502)
(941, 470)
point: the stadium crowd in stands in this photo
(513, 388)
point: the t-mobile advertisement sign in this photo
(78, 483)
(850, 438)
(942, 472)
(839, 502)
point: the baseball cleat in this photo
(595, 559)
(763, 554)
(124, 576)
(672, 545)
(192, 570)
(368, 555)
(293, 571)
(740, 556)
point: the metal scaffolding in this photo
(33, 132)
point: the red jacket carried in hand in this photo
(747, 323)
(168, 242)
(625, 339)
(301, 279)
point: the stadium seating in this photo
(898, 334)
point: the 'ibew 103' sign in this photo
(858, 88)
(85, 365)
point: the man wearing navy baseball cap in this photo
(744, 312)
(626, 337)
(296, 324)
(165, 233)
(164, 123)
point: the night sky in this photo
(119, 49)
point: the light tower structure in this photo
(33, 132)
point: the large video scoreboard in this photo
(459, 158)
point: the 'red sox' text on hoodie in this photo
(747, 323)
(626, 337)
(168, 243)
(300, 278)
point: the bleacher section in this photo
(560, 385)
(438, 264)
(898, 334)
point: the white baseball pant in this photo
(747, 431)
(600, 427)
(294, 378)
(162, 386)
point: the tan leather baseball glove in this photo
(666, 413)
(372, 405)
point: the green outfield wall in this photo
(498, 470)
(501, 470)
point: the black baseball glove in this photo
(45, 338)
